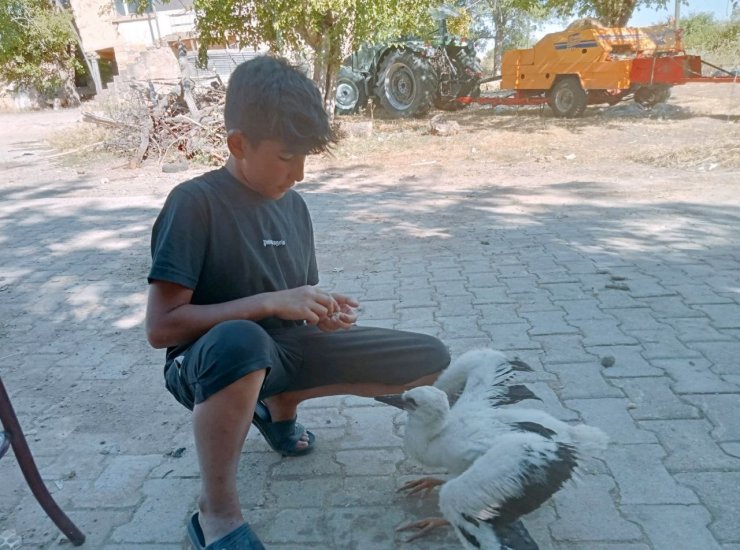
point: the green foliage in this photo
(718, 40)
(613, 13)
(36, 44)
(285, 24)
(509, 22)
(329, 29)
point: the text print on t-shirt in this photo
(270, 242)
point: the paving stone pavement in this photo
(559, 286)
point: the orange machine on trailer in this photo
(582, 66)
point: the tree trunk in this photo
(615, 13)
(68, 91)
(498, 47)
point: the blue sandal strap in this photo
(283, 436)
(241, 538)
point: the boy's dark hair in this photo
(268, 98)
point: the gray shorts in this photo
(299, 358)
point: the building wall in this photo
(139, 42)
(94, 19)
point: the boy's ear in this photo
(236, 141)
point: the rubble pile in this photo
(184, 123)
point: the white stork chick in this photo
(505, 466)
(478, 376)
(484, 371)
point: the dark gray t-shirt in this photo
(224, 241)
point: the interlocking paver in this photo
(602, 522)
(653, 398)
(563, 349)
(583, 380)
(508, 336)
(722, 412)
(613, 414)
(698, 329)
(718, 492)
(690, 445)
(629, 361)
(577, 310)
(723, 355)
(674, 527)
(118, 453)
(642, 477)
(694, 376)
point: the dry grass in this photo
(697, 130)
(725, 154)
(80, 144)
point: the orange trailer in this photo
(581, 66)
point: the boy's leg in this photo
(220, 425)
(363, 361)
(219, 377)
(283, 406)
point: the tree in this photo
(329, 29)
(612, 13)
(718, 40)
(508, 22)
(38, 48)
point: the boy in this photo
(233, 297)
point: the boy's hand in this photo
(343, 317)
(315, 306)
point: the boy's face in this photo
(268, 169)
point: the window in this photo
(128, 7)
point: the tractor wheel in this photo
(566, 98)
(406, 85)
(350, 96)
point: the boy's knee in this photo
(436, 354)
(237, 337)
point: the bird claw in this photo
(423, 485)
(424, 525)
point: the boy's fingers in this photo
(315, 314)
(348, 318)
(346, 300)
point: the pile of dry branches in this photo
(184, 123)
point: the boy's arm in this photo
(171, 319)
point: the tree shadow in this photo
(73, 290)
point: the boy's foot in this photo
(287, 437)
(241, 538)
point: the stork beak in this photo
(395, 400)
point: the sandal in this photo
(282, 436)
(241, 538)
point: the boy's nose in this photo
(297, 168)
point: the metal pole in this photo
(678, 12)
(23, 455)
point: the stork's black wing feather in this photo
(512, 394)
(514, 536)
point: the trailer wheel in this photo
(567, 98)
(350, 95)
(406, 84)
(649, 96)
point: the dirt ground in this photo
(687, 147)
(685, 153)
(695, 133)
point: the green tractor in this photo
(408, 77)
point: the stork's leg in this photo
(422, 485)
(424, 525)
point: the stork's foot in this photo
(423, 485)
(424, 526)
